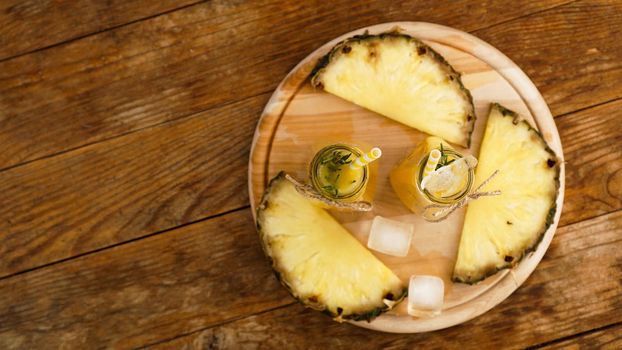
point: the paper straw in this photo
(430, 166)
(366, 158)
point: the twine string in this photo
(445, 211)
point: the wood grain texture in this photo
(187, 61)
(128, 187)
(173, 66)
(567, 52)
(141, 292)
(609, 338)
(592, 141)
(39, 224)
(29, 25)
(567, 294)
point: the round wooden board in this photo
(299, 120)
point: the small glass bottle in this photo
(332, 176)
(406, 179)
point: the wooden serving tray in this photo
(299, 120)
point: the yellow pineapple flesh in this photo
(499, 230)
(403, 79)
(319, 261)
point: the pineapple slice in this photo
(401, 78)
(498, 231)
(318, 261)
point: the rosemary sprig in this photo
(334, 163)
(331, 189)
(444, 161)
(335, 160)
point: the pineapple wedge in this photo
(401, 78)
(318, 261)
(498, 231)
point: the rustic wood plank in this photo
(575, 246)
(609, 338)
(592, 141)
(158, 178)
(568, 52)
(142, 291)
(190, 60)
(30, 25)
(54, 302)
(212, 272)
(575, 288)
(125, 188)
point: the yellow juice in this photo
(332, 176)
(406, 177)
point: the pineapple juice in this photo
(406, 178)
(332, 176)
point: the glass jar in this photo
(332, 176)
(406, 180)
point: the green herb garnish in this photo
(334, 162)
(444, 160)
(331, 189)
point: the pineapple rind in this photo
(423, 50)
(284, 273)
(476, 275)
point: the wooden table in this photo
(125, 129)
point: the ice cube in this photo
(440, 180)
(425, 295)
(450, 179)
(390, 237)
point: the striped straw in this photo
(366, 158)
(430, 166)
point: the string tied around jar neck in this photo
(432, 215)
